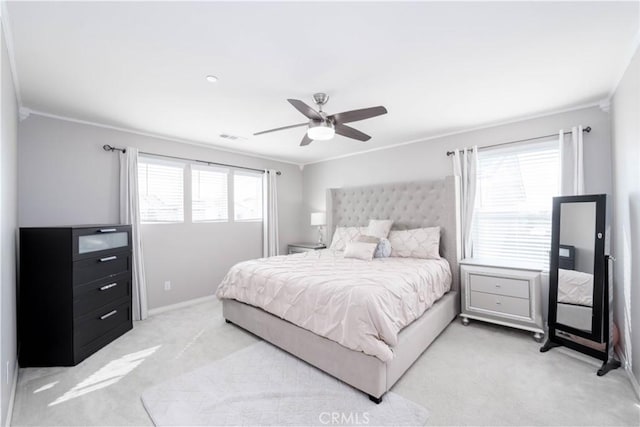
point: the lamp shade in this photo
(318, 218)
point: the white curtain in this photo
(571, 163)
(465, 166)
(130, 214)
(270, 214)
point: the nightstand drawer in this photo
(296, 248)
(499, 285)
(500, 304)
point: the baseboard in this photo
(178, 305)
(632, 378)
(12, 396)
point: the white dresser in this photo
(505, 295)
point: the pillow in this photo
(383, 250)
(367, 239)
(360, 250)
(416, 243)
(344, 235)
(379, 228)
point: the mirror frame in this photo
(598, 269)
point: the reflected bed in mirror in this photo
(575, 291)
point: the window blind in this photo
(247, 189)
(209, 194)
(512, 216)
(160, 187)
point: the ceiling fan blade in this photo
(305, 109)
(355, 115)
(282, 128)
(350, 132)
(305, 140)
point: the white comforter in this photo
(361, 305)
(575, 287)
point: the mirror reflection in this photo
(576, 255)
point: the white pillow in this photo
(416, 243)
(344, 235)
(367, 239)
(383, 250)
(379, 228)
(360, 250)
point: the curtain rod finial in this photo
(107, 147)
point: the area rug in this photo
(263, 385)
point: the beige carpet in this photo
(475, 375)
(263, 385)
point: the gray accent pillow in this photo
(383, 250)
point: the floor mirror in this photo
(579, 291)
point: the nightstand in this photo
(296, 248)
(505, 294)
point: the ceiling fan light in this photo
(321, 132)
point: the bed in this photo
(370, 365)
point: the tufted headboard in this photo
(409, 205)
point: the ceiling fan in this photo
(322, 127)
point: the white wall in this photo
(8, 224)
(66, 178)
(625, 119)
(427, 160)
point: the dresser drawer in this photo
(93, 295)
(93, 327)
(499, 285)
(89, 270)
(500, 303)
(97, 241)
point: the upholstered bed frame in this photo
(409, 205)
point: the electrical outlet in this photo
(167, 285)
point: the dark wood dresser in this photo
(74, 292)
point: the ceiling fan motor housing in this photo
(320, 98)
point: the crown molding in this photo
(28, 112)
(461, 131)
(23, 113)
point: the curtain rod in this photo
(108, 147)
(587, 130)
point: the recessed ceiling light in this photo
(211, 79)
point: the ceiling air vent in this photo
(232, 137)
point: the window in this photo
(209, 194)
(247, 196)
(512, 217)
(160, 186)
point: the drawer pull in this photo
(105, 287)
(109, 258)
(106, 230)
(498, 303)
(498, 286)
(109, 314)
